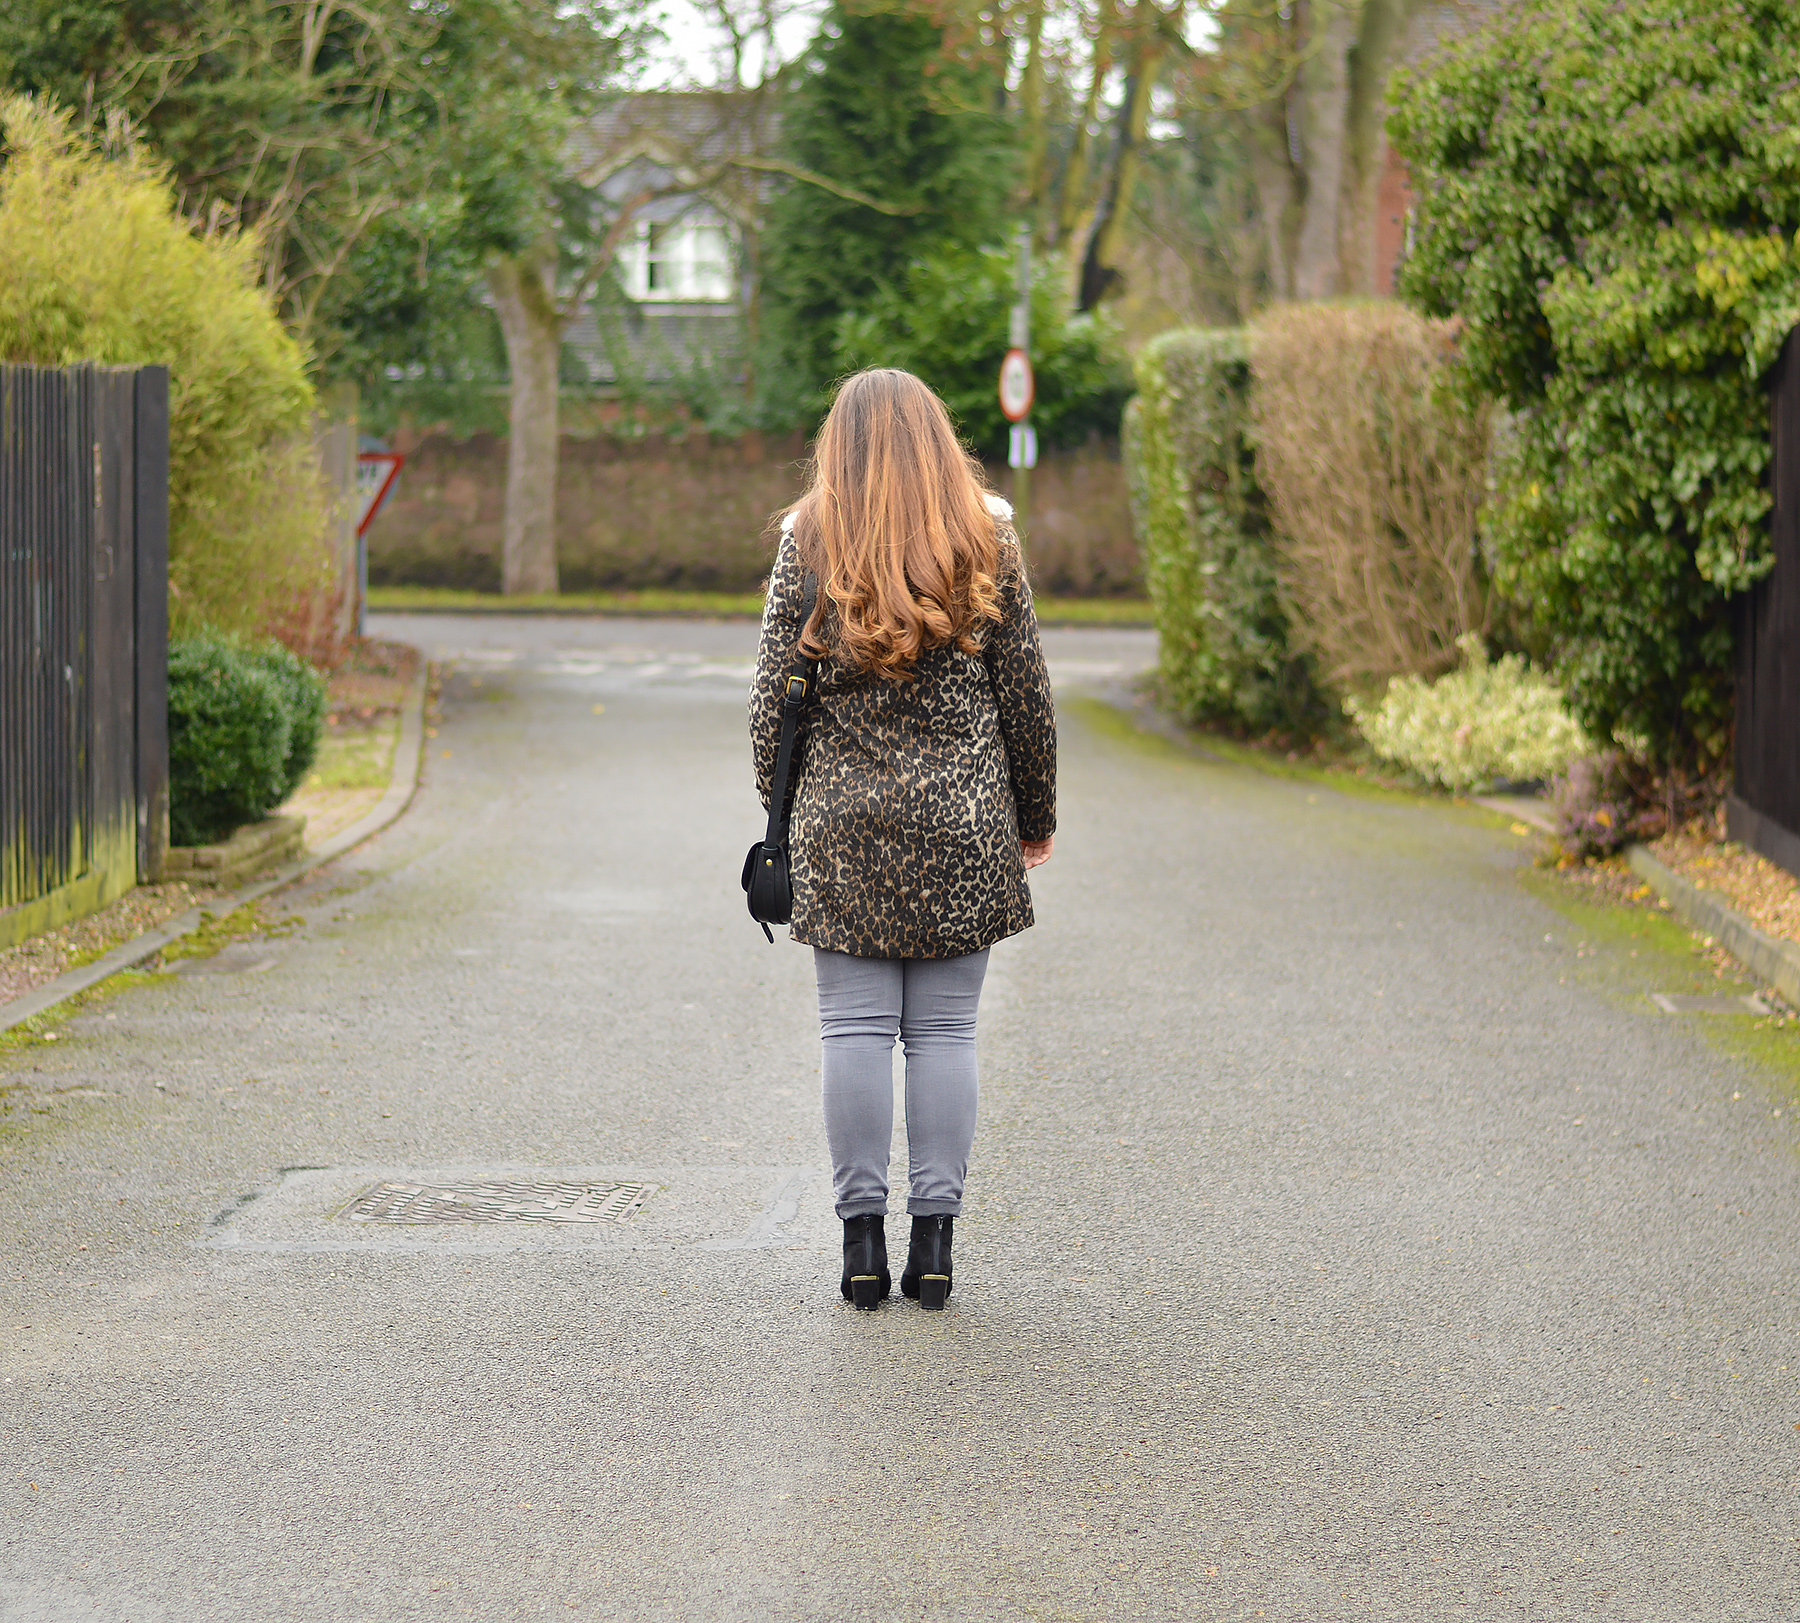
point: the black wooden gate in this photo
(84, 573)
(1764, 812)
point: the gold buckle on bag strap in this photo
(796, 689)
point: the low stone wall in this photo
(1079, 543)
(694, 512)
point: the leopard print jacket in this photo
(912, 797)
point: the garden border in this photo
(1776, 963)
(408, 756)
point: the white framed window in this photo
(686, 261)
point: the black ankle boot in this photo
(927, 1276)
(866, 1279)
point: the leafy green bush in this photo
(244, 725)
(879, 106)
(1202, 528)
(1490, 720)
(1607, 196)
(96, 264)
(946, 319)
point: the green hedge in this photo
(1203, 533)
(244, 726)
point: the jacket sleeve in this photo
(1015, 663)
(780, 631)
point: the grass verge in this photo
(254, 920)
(356, 755)
(1188, 742)
(1629, 949)
(46, 1026)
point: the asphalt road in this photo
(1349, 1237)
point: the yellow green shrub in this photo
(1490, 720)
(97, 264)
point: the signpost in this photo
(376, 472)
(1018, 388)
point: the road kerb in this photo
(401, 787)
(1775, 963)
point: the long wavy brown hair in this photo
(895, 524)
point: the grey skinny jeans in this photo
(929, 1004)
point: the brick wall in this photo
(1393, 202)
(693, 512)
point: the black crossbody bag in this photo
(768, 881)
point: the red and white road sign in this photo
(376, 472)
(1018, 388)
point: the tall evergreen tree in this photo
(882, 110)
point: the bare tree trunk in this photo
(1277, 179)
(525, 300)
(1037, 128)
(1075, 211)
(1325, 99)
(1305, 159)
(1100, 267)
(751, 271)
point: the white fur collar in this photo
(999, 506)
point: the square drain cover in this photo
(498, 1203)
(1687, 1003)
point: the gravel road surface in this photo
(1349, 1236)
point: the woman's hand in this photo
(1036, 852)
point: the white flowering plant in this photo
(1488, 721)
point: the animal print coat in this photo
(913, 796)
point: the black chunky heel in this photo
(866, 1281)
(927, 1276)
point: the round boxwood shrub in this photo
(244, 725)
(303, 691)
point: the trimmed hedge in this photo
(1203, 532)
(244, 725)
(1375, 472)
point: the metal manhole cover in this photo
(498, 1203)
(1687, 1003)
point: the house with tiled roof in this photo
(683, 165)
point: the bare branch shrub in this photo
(1374, 471)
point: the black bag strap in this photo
(801, 676)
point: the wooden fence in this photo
(84, 582)
(1764, 810)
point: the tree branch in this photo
(602, 255)
(777, 166)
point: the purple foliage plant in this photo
(1598, 808)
